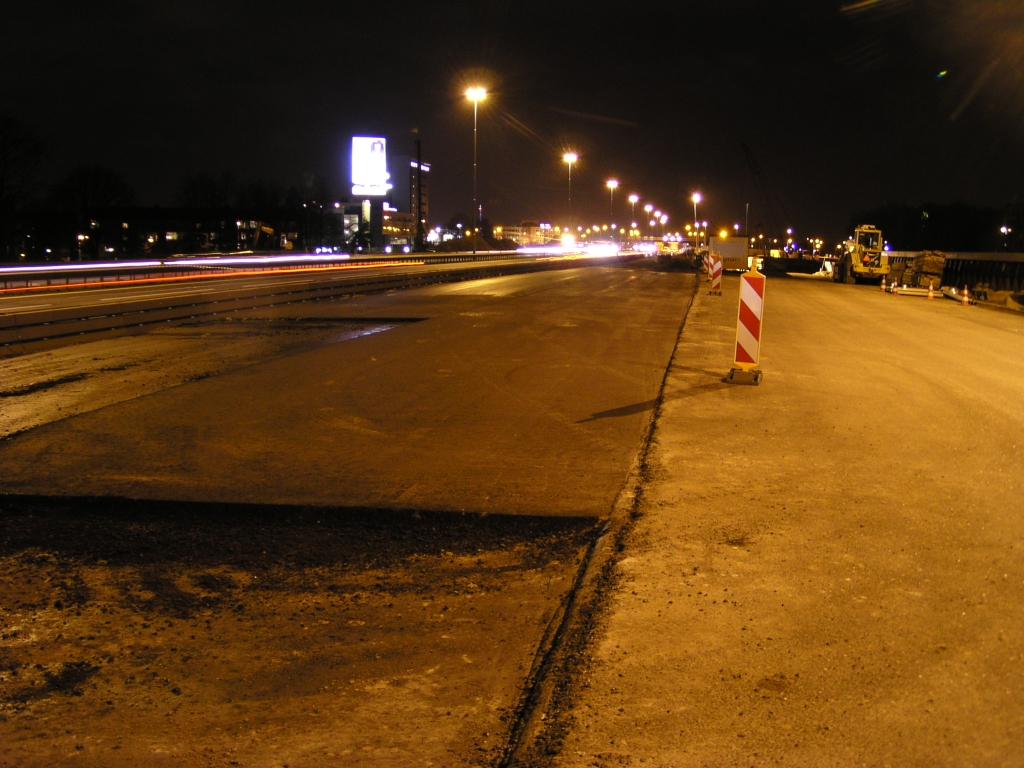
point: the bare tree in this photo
(21, 152)
(89, 187)
(203, 190)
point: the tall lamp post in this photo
(633, 200)
(570, 158)
(696, 198)
(476, 95)
(612, 185)
(647, 209)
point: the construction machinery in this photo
(863, 257)
(261, 228)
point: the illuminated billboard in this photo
(370, 166)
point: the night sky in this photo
(841, 101)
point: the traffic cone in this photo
(883, 283)
(965, 300)
(931, 291)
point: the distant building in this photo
(527, 233)
(411, 191)
(399, 226)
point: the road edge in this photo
(544, 713)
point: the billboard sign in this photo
(370, 166)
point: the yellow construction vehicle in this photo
(863, 257)
(261, 228)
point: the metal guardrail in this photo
(23, 277)
(42, 325)
(997, 271)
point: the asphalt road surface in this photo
(829, 568)
(823, 570)
(357, 626)
(522, 394)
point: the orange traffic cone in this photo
(965, 300)
(931, 291)
(883, 283)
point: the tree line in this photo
(25, 201)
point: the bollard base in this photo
(739, 376)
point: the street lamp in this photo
(696, 198)
(612, 185)
(570, 158)
(648, 208)
(633, 200)
(476, 95)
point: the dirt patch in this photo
(208, 634)
(41, 386)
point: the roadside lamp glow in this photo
(569, 158)
(476, 95)
(612, 185)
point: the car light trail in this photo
(235, 273)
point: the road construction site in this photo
(520, 521)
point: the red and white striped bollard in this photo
(748, 330)
(716, 275)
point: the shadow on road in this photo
(626, 410)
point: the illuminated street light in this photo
(696, 197)
(633, 200)
(612, 185)
(570, 158)
(476, 95)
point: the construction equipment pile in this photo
(923, 270)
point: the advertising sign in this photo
(370, 166)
